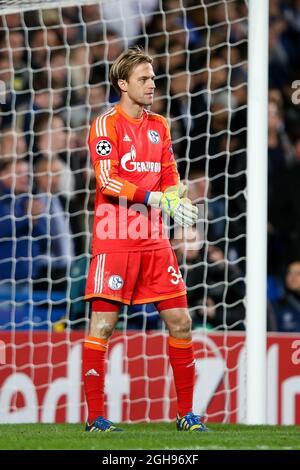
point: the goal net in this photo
(55, 58)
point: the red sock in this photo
(181, 355)
(94, 353)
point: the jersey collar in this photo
(129, 118)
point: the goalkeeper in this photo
(132, 260)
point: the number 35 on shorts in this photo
(176, 276)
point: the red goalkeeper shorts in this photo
(135, 277)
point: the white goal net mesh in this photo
(54, 80)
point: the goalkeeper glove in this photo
(181, 190)
(154, 197)
(171, 201)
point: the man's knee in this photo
(180, 326)
(104, 329)
(185, 325)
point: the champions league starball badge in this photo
(103, 148)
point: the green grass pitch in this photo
(148, 436)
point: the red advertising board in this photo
(40, 377)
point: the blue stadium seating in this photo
(37, 312)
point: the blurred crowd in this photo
(54, 76)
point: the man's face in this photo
(16, 177)
(59, 137)
(140, 86)
(293, 277)
(54, 140)
(48, 177)
(13, 143)
(198, 188)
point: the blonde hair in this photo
(124, 64)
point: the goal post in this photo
(57, 82)
(9, 7)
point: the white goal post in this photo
(257, 165)
(204, 70)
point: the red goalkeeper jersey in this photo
(131, 157)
